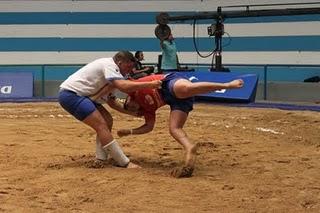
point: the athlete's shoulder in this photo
(108, 67)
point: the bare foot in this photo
(182, 172)
(191, 156)
(187, 170)
(133, 166)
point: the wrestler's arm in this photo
(130, 86)
(148, 126)
(116, 105)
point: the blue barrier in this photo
(245, 94)
(16, 84)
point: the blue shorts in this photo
(78, 106)
(185, 104)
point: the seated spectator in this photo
(139, 70)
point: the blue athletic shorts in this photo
(78, 106)
(186, 104)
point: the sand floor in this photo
(249, 160)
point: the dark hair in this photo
(125, 56)
(137, 53)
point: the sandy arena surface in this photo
(249, 160)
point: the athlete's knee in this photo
(109, 123)
(102, 126)
(171, 131)
(174, 131)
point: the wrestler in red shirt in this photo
(147, 100)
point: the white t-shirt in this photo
(91, 78)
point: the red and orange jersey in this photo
(149, 99)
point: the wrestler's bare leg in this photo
(97, 121)
(176, 123)
(185, 89)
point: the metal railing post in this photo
(42, 80)
(265, 82)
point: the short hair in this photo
(137, 53)
(124, 56)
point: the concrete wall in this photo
(290, 91)
(276, 91)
